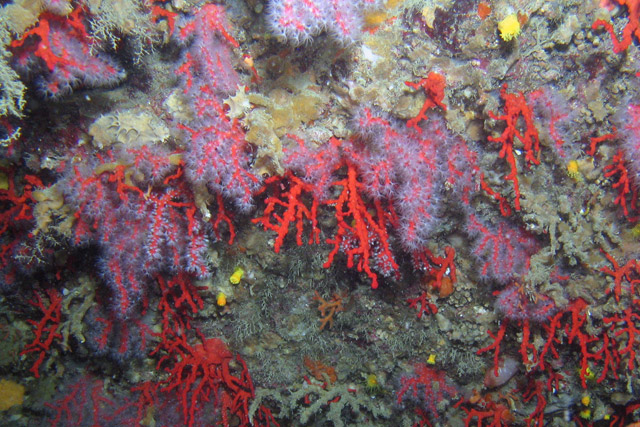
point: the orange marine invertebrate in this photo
(320, 371)
(328, 308)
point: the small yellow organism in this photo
(573, 170)
(589, 375)
(586, 400)
(372, 381)
(431, 360)
(509, 27)
(636, 230)
(373, 386)
(236, 276)
(221, 300)
(585, 414)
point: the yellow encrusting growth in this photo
(374, 19)
(11, 394)
(377, 17)
(589, 375)
(585, 414)
(573, 170)
(221, 299)
(393, 3)
(236, 276)
(509, 27)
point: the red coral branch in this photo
(535, 389)
(618, 171)
(629, 322)
(433, 86)
(426, 306)
(505, 209)
(427, 384)
(360, 235)
(516, 108)
(630, 30)
(620, 273)
(287, 197)
(45, 330)
(495, 346)
(46, 49)
(595, 140)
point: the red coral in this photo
(595, 350)
(629, 271)
(71, 409)
(361, 225)
(496, 414)
(516, 108)
(433, 86)
(64, 46)
(16, 213)
(361, 235)
(47, 46)
(442, 274)
(16, 207)
(505, 250)
(285, 206)
(426, 306)
(618, 171)
(158, 12)
(595, 140)
(631, 30)
(141, 232)
(535, 389)
(495, 346)
(204, 372)
(45, 330)
(437, 267)
(217, 156)
(428, 385)
(627, 325)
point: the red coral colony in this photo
(319, 212)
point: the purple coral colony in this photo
(320, 212)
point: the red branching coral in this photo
(630, 271)
(361, 235)
(617, 170)
(631, 30)
(428, 386)
(487, 412)
(433, 86)
(287, 196)
(516, 108)
(16, 213)
(67, 51)
(199, 373)
(45, 329)
(422, 304)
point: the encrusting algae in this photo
(11, 394)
